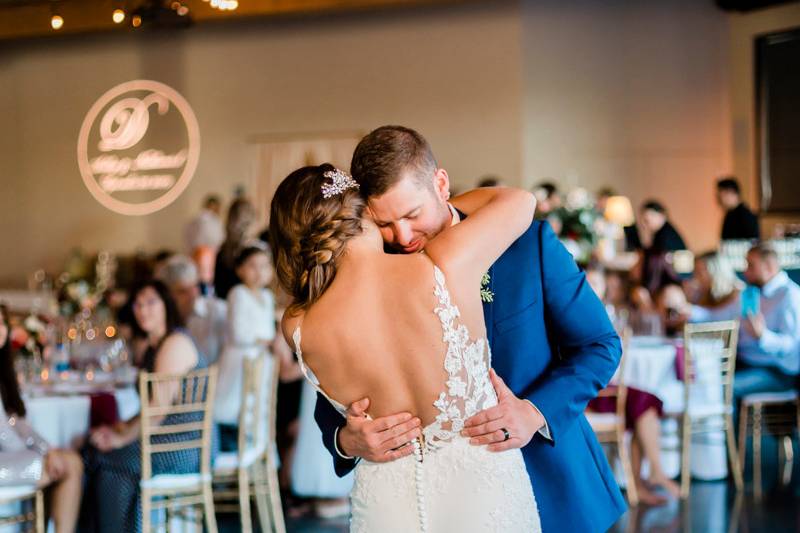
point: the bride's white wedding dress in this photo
(447, 485)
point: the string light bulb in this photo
(136, 21)
(118, 16)
(56, 20)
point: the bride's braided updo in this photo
(309, 232)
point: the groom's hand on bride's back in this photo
(380, 440)
(512, 423)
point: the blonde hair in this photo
(309, 233)
(723, 277)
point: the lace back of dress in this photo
(468, 389)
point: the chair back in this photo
(620, 389)
(710, 361)
(176, 417)
(256, 415)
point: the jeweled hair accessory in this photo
(340, 182)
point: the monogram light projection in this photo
(138, 147)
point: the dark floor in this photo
(712, 507)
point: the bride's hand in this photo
(381, 440)
(519, 418)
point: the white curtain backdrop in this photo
(275, 158)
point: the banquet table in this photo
(62, 416)
(651, 366)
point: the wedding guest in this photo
(206, 229)
(643, 413)
(671, 303)
(657, 272)
(250, 333)
(205, 316)
(739, 221)
(113, 457)
(661, 234)
(312, 474)
(768, 358)
(241, 216)
(714, 283)
(489, 180)
(159, 259)
(602, 199)
(25, 457)
(548, 198)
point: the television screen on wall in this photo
(778, 119)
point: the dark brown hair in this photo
(172, 318)
(9, 386)
(309, 233)
(385, 153)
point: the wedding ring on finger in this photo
(506, 434)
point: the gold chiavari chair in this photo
(251, 470)
(24, 497)
(610, 427)
(777, 413)
(709, 362)
(176, 418)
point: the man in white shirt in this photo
(206, 229)
(768, 358)
(204, 316)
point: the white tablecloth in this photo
(650, 366)
(64, 420)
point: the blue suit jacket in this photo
(552, 343)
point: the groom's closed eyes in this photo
(411, 215)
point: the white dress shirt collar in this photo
(772, 286)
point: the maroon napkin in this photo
(103, 410)
(680, 363)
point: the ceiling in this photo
(28, 19)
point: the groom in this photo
(553, 346)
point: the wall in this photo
(453, 73)
(745, 28)
(652, 98)
(632, 95)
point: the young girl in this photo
(251, 330)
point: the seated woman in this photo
(25, 457)
(642, 416)
(714, 283)
(250, 333)
(113, 458)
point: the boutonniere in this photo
(487, 296)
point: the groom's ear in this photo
(441, 184)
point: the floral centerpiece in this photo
(84, 282)
(576, 224)
(29, 335)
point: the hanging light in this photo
(56, 20)
(118, 16)
(136, 21)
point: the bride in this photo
(406, 331)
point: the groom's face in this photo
(412, 211)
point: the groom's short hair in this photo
(381, 158)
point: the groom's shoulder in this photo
(532, 238)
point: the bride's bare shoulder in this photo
(289, 323)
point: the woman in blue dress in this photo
(113, 457)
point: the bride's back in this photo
(374, 334)
(368, 319)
